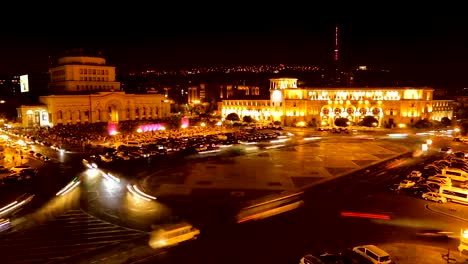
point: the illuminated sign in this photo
(24, 83)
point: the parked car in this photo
(446, 178)
(433, 186)
(406, 184)
(414, 173)
(433, 196)
(310, 259)
(439, 181)
(446, 150)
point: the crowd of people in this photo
(81, 136)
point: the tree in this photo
(464, 128)
(232, 117)
(446, 121)
(341, 122)
(423, 123)
(247, 119)
(369, 121)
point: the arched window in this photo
(350, 111)
(375, 111)
(99, 114)
(59, 114)
(325, 111)
(363, 111)
(128, 112)
(337, 111)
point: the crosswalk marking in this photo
(69, 234)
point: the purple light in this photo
(184, 122)
(111, 128)
(151, 127)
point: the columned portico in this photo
(99, 107)
(321, 106)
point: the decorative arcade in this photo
(390, 106)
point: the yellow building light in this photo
(301, 124)
(401, 125)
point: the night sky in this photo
(432, 44)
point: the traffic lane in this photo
(49, 180)
(281, 239)
(284, 239)
(320, 221)
(287, 237)
(406, 211)
(108, 198)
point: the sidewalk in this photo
(7, 195)
(404, 253)
(454, 210)
(13, 158)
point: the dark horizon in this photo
(432, 48)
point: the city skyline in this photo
(432, 48)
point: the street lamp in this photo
(2, 101)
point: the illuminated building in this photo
(229, 91)
(196, 94)
(290, 104)
(85, 91)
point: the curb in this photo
(428, 207)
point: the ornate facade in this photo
(80, 73)
(101, 101)
(390, 106)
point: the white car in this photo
(105, 158)
(310, 259)
(373, 253)
(439, 181)
(406, 184)
(445, 178)
(432, 196)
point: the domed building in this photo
(83, 89)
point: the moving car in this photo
(173, 235)
(373, 253)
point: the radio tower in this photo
(336, 44)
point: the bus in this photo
(454, 194)
(455, 174)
